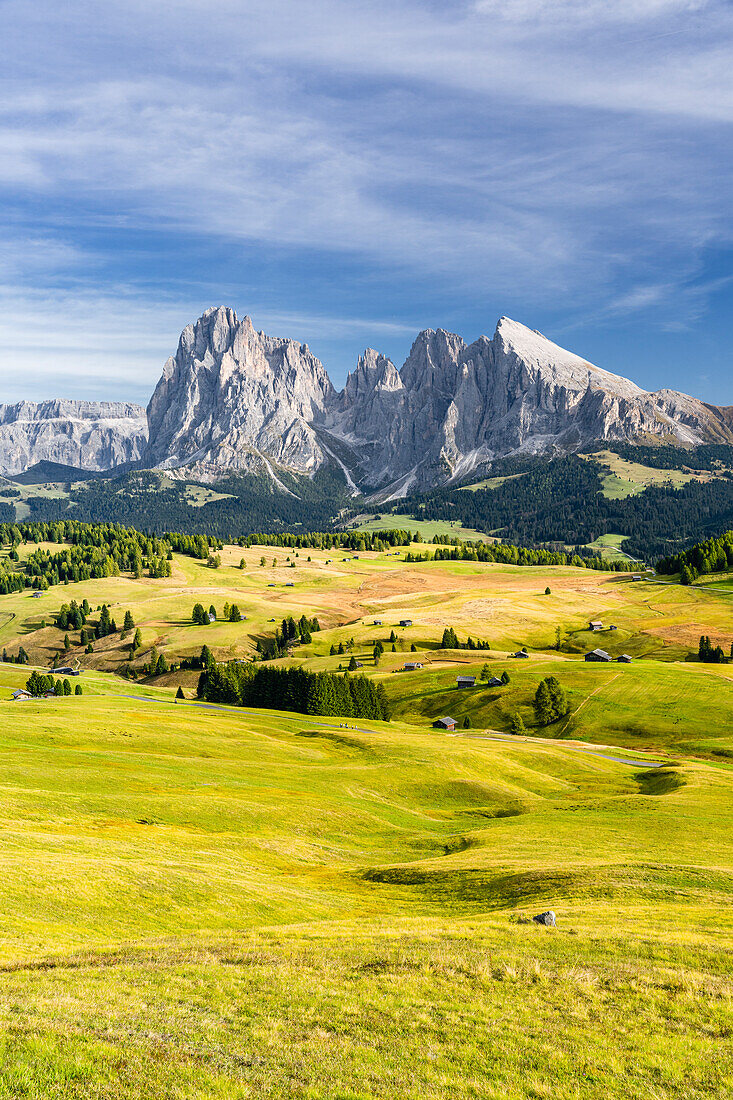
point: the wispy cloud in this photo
(569, 156)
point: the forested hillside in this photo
(561, 501)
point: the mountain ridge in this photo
(234, 399)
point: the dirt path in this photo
(587, 700)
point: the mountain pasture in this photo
(208, 901)
(229, 903)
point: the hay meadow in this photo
(206, 901)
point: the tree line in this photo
(293, 689)
(39, 684)
(714, 555)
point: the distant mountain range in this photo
(236, 400)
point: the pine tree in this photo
(505, 677)
(560, 705)
(543, 704)
(517, 724)
(179, 694)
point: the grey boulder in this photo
(548, 919)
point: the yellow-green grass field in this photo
(658, 624)
(428, 528)
(609, 546)
(220, 903)
(622, 478)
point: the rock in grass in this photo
(548, 919)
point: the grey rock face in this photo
(460, 406)
(548, 919)
(93, 435)
(233, 398)
(236, 399)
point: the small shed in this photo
(212, 616)
(598, 655)
(465, 681)
(21, 695)
(405, 622)
(446, 723)
(494, 682)
(624, 659)
(377, 622)
(520, 653)
(595, 624)
(636, 577)
(289, 584)
(613, 628)
(66, 670)
(410, 666)
(36, 595)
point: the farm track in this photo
(361, 729)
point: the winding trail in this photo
(592, 751)
(587, 700)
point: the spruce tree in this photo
(517, 724)
(543, 704)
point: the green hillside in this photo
(231, 904)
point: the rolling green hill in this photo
(208, 901)
(233, 904)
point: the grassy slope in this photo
(427, 528)
(505, 605)
(248, 904)
(622, 478)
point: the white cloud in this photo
(596, 12)
(533, 150)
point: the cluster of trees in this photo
(293, 689)
(289, 631)
(11, 580)
(550, 701)
(334, 540)
(202, 617)
(508, 554)
(38, 683)
(202, 661)
(74, 616)
(714, 555)
(450, 641)
(194, 546)
(156, 664)
(20, 658)
(710, 654)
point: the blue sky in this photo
(351, 171)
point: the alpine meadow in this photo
(366, 550)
